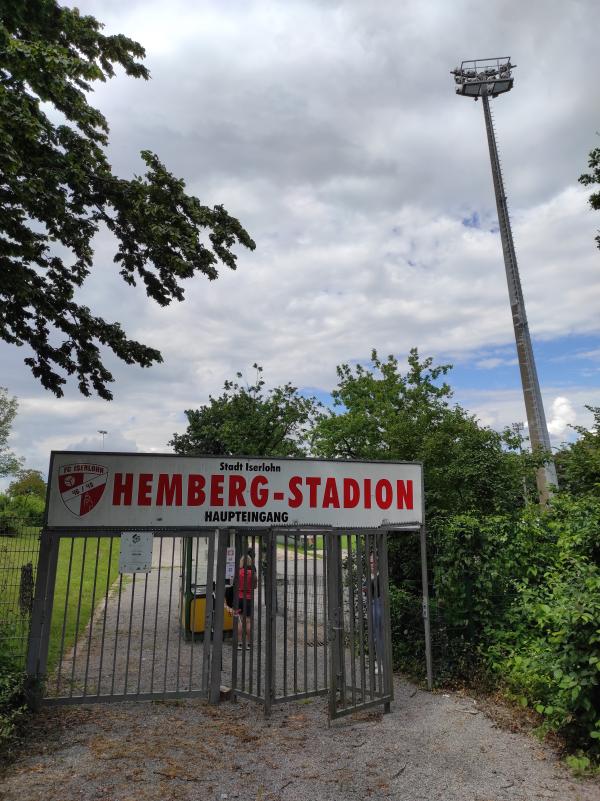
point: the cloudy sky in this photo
(332, 131)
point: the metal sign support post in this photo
(425, 586)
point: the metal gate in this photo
(360, 634)
(99, 635)
(269, 615)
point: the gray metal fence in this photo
(274, 618)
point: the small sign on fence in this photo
(136, 552)
(230, 563)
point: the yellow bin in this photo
(198, 615)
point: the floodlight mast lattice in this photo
(487, 78)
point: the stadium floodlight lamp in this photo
(487, 78)
(484, 76)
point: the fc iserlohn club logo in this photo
(81, 486)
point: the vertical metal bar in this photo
(193, 620)
(64, 625)
(252, 616)
(169, 617)
(270, 621)
(315, 621)
(342, 631)
(351, 604)
(333, 631)
(361, 589)
(208, 611)
(180, 609)
(129, 633)
(326, 549)
(243, 616)
(142, 633)
(78, 617)
(114, 665)
(295, 613)
(217, 646)
(108, 566)
(258, 614)
(388, 676)
(285, 613)
(425, 585)
(236, 604)
(377, 606)
(371, 646)
(156, 615)
(305, 615)
(89, 645)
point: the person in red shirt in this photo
(247, 583)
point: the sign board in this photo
(130, 490)
(230, 563)
(136, 552)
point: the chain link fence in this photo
(19, 548)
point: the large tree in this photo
(27, 484)
(57, 189)
(249, 421)
(9, 463)
(382, 413)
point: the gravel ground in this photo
(431, 746)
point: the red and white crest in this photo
(81, 486)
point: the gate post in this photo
(335, 610)
(217, 642)
(387, 662)
(41, 614)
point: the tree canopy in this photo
(57, 189)
(384, 414)
(28, 483)
(593, 177)
(9, 463)
(249, 421)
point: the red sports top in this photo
(245, 577)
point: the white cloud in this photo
(332, 131)
(493, 362)
(562, 415)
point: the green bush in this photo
(515, 601)
(547, 650)
(20, 510)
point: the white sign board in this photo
(230, 563)
(136, 552)
(131, 490)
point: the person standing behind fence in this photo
(247, 582)
(376, 612)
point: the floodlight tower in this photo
(487, 78)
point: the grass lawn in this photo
(17, 582)
(75, 574)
